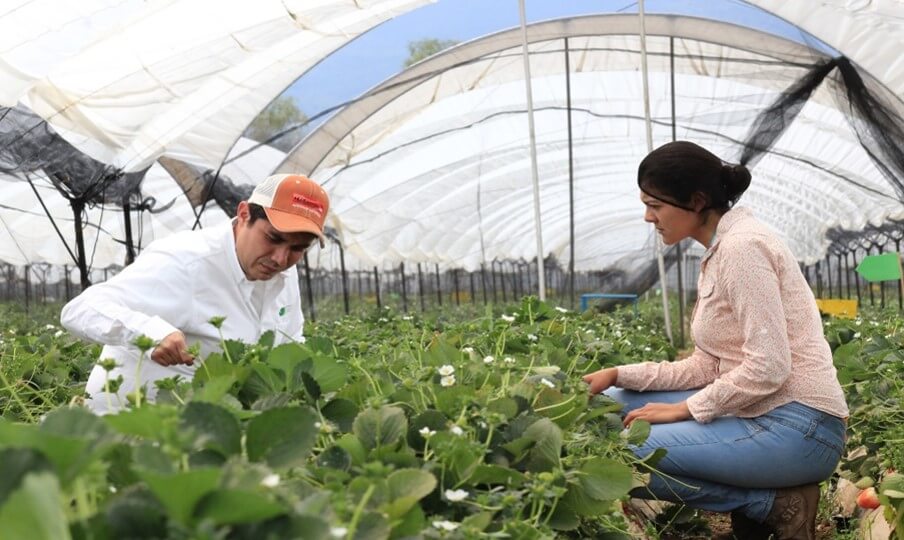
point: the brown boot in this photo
(793, 514)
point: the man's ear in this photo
(243, 212)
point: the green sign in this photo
(880, 267)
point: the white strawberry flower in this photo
(426, 432)
(456, 495)
(456, 430)
(445, 525)
(271, 480)
(488, 360)
(467, 350)
(448, 380)
(338, 532)
(508, 318)
(508, 360)
(446, 370)
(561, 309)
(547, 382)
(532, 337)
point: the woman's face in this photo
(673, 224)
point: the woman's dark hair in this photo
(675, 171)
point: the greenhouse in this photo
(487, 250)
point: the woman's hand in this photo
(659, 413)
(601, 380)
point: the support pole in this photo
(77, 207)
(377, 287)
(663, 281)
(420, 287)
(483, 281)
(310, 290)
(404, 288)
(127, 221)
(455, 282)
(571, 294)
(27, 287)
(345, 299)
(535, 176)
(439, 289)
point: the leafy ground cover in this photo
(456, 424)
(392, 426)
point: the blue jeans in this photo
(736, 463)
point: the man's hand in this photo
(172, 350)
(601, 380)
(659, 413)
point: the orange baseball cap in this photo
(293, 203)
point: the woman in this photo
(753, 419)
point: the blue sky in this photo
(380, 53)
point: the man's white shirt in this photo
(179, 283)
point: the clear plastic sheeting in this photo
(433, 165)
(134, 79)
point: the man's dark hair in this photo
(675, 171)
(257, 212)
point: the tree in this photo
(422, 48)
(280, 115)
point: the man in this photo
(243, 271)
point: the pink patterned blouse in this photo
(758, 336)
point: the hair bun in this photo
(736, 180)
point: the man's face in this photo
(264, 251)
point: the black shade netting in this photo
(875, 115)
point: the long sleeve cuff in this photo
(701, 406)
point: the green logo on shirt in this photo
(282, 311)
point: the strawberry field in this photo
(387, 425)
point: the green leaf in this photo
(578, 501)
(36, 510)
(146, 455)
(215, 388)
(286, 358)
(494, 475)
(638, 432)
(310, 386)
(379, 427)
(341, 412)
(232, 506)
(605, 479)
(411, 524)
(282, 437)
(135, 513)
(477, 522)
(373, 526)
(328, 373)
(180, 492)
(544, 456)
(335, 457)
(15, 464)
(147, 422)
(263, 380)
(353, 446)
(505, 406)
(214, 427)
(430, 419)
(320, 344)
(76, 423)
(406, 488)
(564, 518)
(69, 454)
